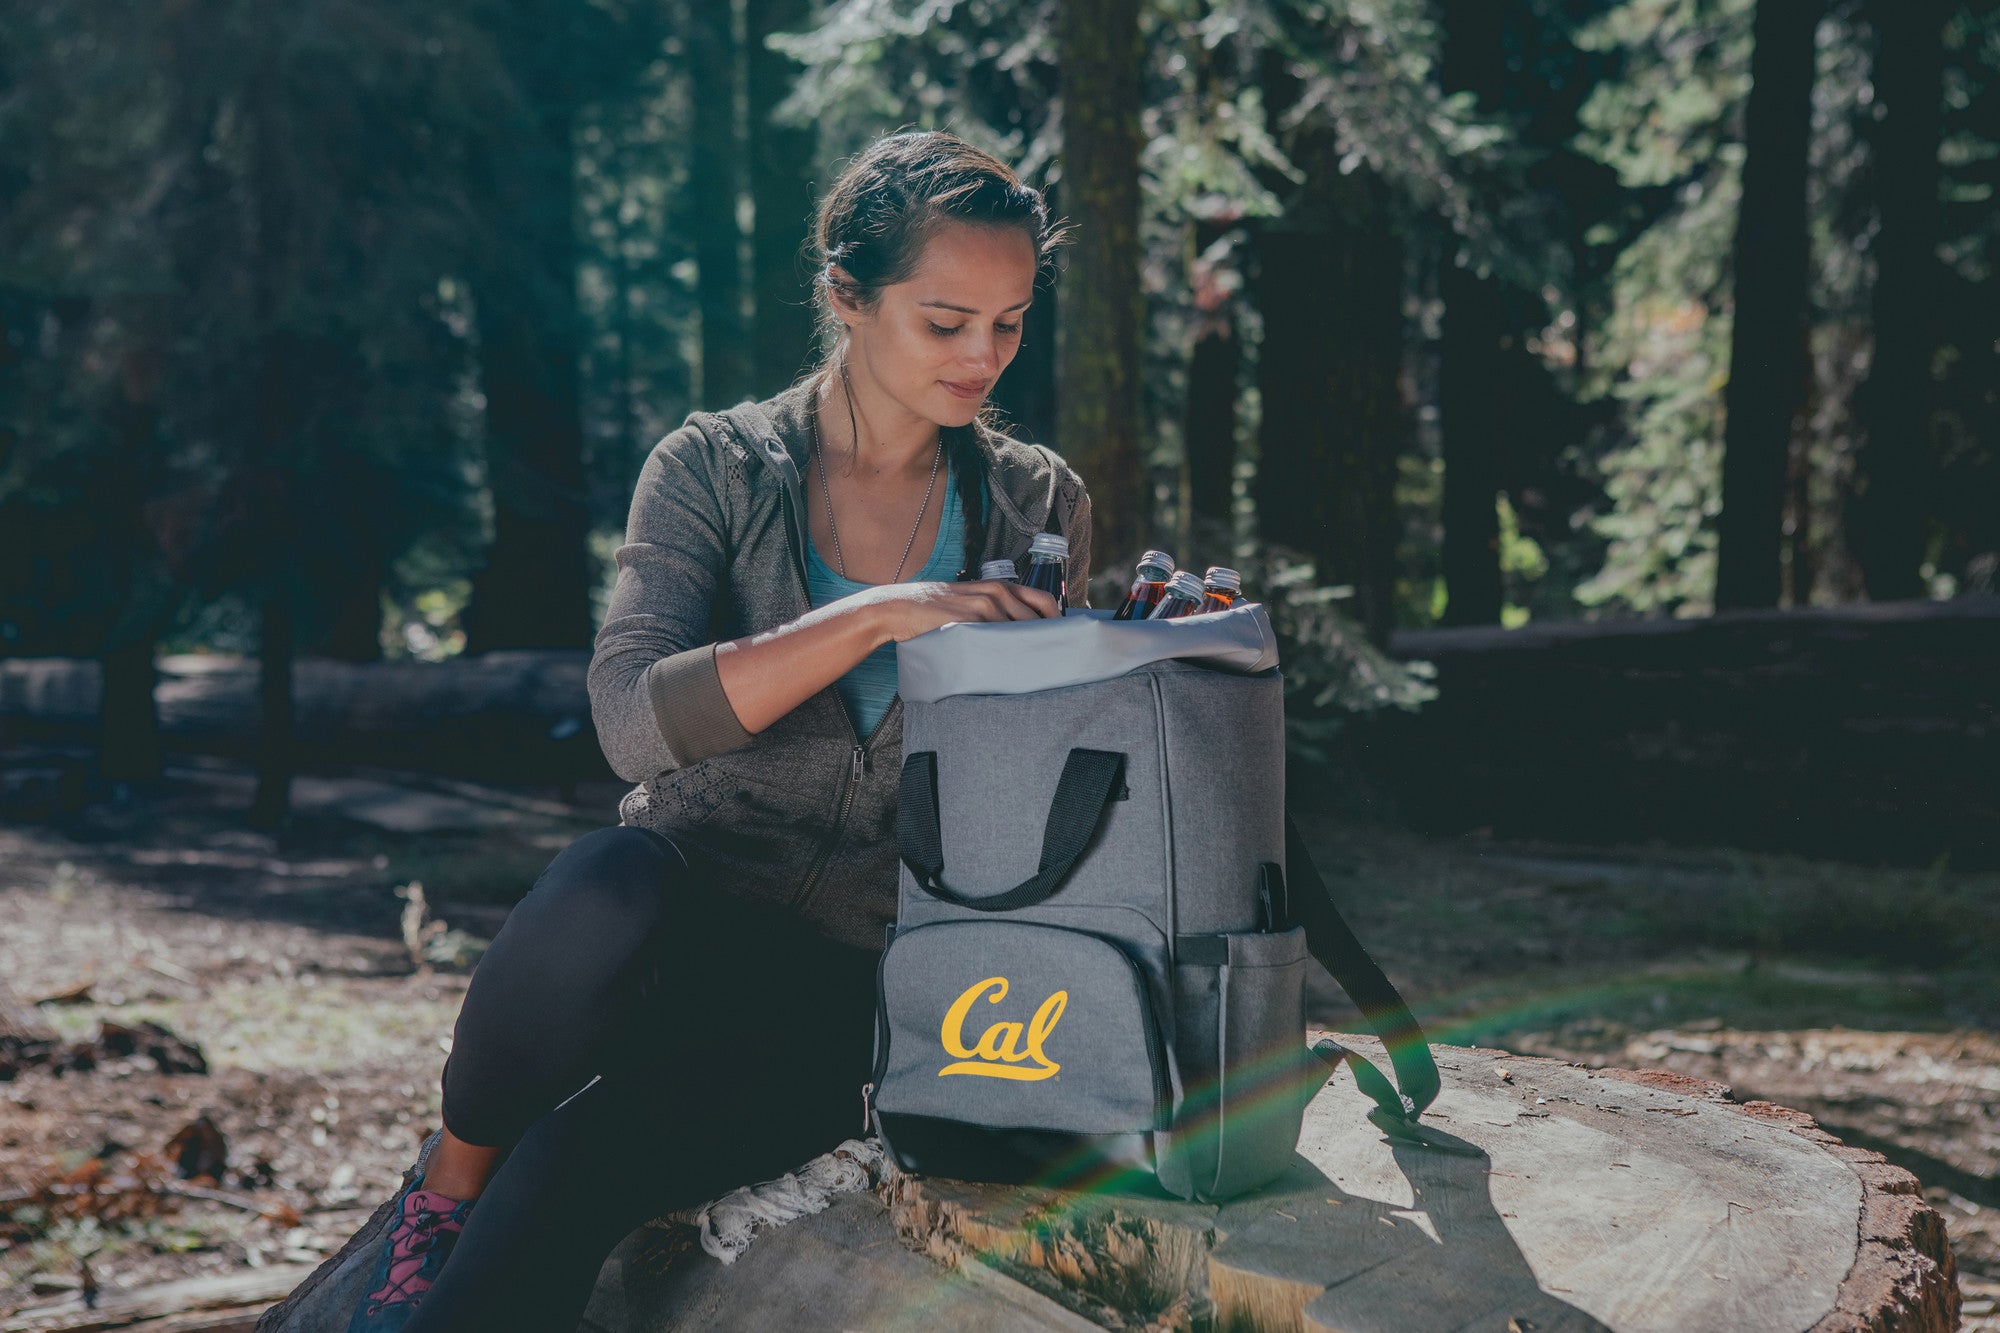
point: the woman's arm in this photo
(663, 696)
(767, 675)
(653, 689)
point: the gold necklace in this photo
(826, 493)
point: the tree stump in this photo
(1564, 1198)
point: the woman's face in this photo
(936, 343)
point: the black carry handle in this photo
(1088, 785)
(1334, 944)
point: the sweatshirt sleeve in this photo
(655, 695)
(1078, 587)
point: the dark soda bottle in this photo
(1000, 569)
(1183, 597)
(1223, 586)
(1048, 566)
(1148, 586)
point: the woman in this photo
(684, 1003)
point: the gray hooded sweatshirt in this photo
(804, 812)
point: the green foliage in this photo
(634, 276)
(1670, 127)
(984, 69)
(1332, 672)
(251, 217)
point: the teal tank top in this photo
(868, 688)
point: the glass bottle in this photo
(1224, 586)
(1148, 585)
(1000, 569)
(1048, 566)
(1183, 597)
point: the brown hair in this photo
(870, 233)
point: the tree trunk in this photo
(279, 414)
(708, 205)
(1098, 357)
(356, 632)
(1333, 423)
(1026, 394)
(272, 804)
(1769, 362)
(535, 589)
(1889, 525)
(1471, 373)
(1211, 402)
(1471, 386)
(129, 741)
(781, 188)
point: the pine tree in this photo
(1768, 355)
(534, 591)
(781, 160)
(1098, 349)
(1892, 513)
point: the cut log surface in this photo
(1563, 1198)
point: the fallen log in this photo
(1858, 732)
(227, 1303)
(1569, 1199)
(512, 715)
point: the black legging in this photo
(728, 1043)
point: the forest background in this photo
(340, 328)
(1634, 362)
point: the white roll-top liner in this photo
(1022, 656)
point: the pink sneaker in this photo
(426, 1229)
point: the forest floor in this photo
(1869, 998)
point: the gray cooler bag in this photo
(1096, 974)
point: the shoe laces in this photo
(427, 1219)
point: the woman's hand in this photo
(766, 675)
(909, 609)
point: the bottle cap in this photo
(1185, 584)
(999, 569)
(1049, 543)
(1160, 563)
(1219, 576)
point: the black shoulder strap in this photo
(1334, 944)
(1088, 785)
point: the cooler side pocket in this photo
(1241, 1042)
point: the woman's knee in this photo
(613, 879)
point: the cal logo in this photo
(1005, 1050)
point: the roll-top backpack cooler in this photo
(1096, 977)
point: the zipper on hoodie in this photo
(858, 755)
(850, 786)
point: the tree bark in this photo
(129, 741)
(1334, 424)
(1026, 394)
(1099, 409)
(1891, 513)
(781, 189)
(1471, 386)
(708, 205)
(1769, 361)
(271, 806)
(535, 589)
(355, 634)
(1471, 376)
(279, 415)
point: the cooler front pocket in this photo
(1005, 1025)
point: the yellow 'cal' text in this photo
(1005, 1050)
